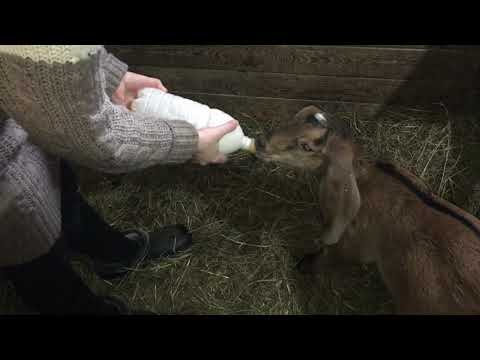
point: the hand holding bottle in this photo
(167, 107)
(208, 138)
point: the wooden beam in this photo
(267, 111)
(313, 87)
(344, 61)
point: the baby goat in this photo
(426, 249)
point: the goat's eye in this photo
(306, 147)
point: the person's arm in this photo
(67, 109)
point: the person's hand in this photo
(131, 84)
(208, 143)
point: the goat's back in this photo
(429, 255)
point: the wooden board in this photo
(416, 76)
(279, 111)
(344, 61)
(312, 87)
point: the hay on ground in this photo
(252, 221)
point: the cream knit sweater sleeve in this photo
(60, 94)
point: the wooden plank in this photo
(311, 87)
(344, 61)
(263, 113)
(276, 109)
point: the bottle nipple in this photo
(248, 144)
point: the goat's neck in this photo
(363, 164)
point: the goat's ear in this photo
(340, 197)
(306, 113)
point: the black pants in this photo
(84, 230)
(48, 284)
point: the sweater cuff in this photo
(185, 142)
(114, 70)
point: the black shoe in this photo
(167, 242)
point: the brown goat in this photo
(426, 249)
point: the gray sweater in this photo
(60, 106)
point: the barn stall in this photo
(415, 105)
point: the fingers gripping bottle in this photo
(167, 106)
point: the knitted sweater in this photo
(61, 96)
(55, 101)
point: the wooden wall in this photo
(371, 76)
